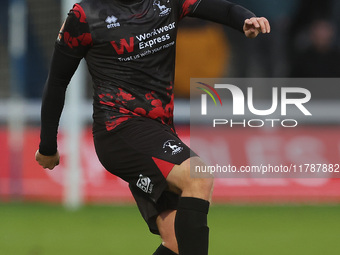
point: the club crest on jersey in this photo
(171, 146)
(144, 183)
(112, 22)
(161, 5)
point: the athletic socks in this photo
(191, 228)
(162, 250)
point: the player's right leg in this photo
(190, 221)
(192, 232)
(151, 168)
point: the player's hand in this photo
(47, 161)
(253, 26)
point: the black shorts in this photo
(142, 152)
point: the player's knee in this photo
(199, 187)
(196, 182)
(190, 186)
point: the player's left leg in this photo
(165, 223)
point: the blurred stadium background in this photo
(80, 209)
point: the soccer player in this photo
(129, 47)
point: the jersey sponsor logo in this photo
(172, 146)
(144, 183)
(161, 5)
(112, 22)
(157, 31)
(123, 45)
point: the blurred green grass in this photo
(40, 229)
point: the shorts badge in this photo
(171, 146)
(144, 183)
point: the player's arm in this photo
(72, 44)
(61, 71)
(232, 15)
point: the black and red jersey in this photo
(129, 47)
(130, 52)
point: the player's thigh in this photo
(138, 144)
(143, 152)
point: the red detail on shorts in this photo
(79, 12)
(164, 166)
(185, 7)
